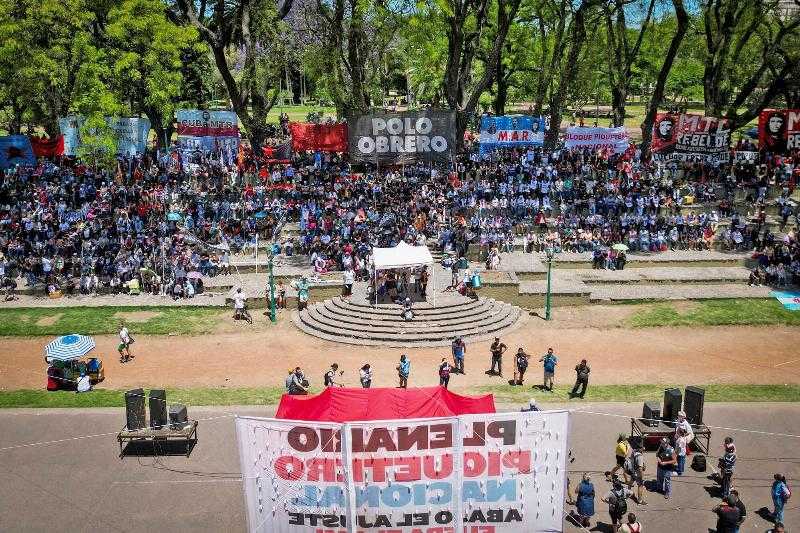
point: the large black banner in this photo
(407, 137)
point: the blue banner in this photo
(511, 131)
(16, 150)
(130, 133)
(789, 300)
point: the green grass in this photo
(640, 393)
(103, 320)
(298, 113)
(741, 312)
(502, 393)
(116, 398)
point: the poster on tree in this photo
(495, 473)
(685, 137)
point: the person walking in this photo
(737, 502)
(727, 464)
(665, 461)
(617, 500)
(124, 346)
(581, 379)
(459, 351)
(444, 373)
(549, 361)
(365, 376)
(634, 472)
(403, 371)
(727, 516)
(240, 307)
(780, 495)
(584, 500)
(296, 383)
(497, 350)
(621, 452)
(520, 366)
(632, 525)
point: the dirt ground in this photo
(238, 355)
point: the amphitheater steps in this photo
(358, 323)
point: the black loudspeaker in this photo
(672, 404)
(135, 417)
(651, 413)
(158, 408)
(177, 416)
(693, 400)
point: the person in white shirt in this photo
(240, 309)
(365, 376)
(125, 341)
(84, 384)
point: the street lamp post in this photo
(549, 300)
(272, 316)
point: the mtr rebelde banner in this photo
(407, 137)
(779, 130)
(682, 137)
(495, 473)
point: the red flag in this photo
(322, 137)
(47, 147)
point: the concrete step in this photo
(601, 293)
(381, 315)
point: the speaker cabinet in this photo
(158, 408)
(177, 416)
(693, 400)
(651, 413)
(672, 404)
(135, 417)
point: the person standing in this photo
(632, 525)
(240, 309)
(681, 445)
(365, 376)
(780, 495)
(497, 350)
(297, 385)
(549, 361)
(125, 341)
(665, 461)
(329, 379)
(727, 463)
(444, 373)
(348, 278)
(403, 371)
(621, 452)
(581, 379)
(521, 365)
(737, 502)
(617, 500)
(727, 516)
(459, 351)
(584, 500)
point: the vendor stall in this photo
(67, 362)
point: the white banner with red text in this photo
(614, 139)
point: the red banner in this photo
(685, 137)
(47, 147)
(779, 130)
(322, 137)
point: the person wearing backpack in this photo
(632, 526)
(634, 472)
(617, 500)
(780, 495)
(550, 361)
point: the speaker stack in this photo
(135, 417)
(651, 413)
(693, 401)
(672, 405)
(158, 408)
(177, 416)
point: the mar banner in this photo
(322, 137)
(779, 130)
(615, 139)
(493, 473)
(16, 150)
(789, 300)
(208, 131)
(682, 137)
(510, 131)
(130, 133)
(400, 138)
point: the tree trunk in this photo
(619, 96)
(658, 92)
(501, 95)
(543, 81)
(568, 71)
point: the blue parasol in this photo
(69, 347)
(174, 217)
(261, 214)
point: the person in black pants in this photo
(444, 373)
(581, 379)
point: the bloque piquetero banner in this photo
(683, 137)
(615, 139)
(208, 131)
(779, 130)
(511, 131)
(407, 137)
(494, 473)
(130, 133)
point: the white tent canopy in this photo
(401, 256)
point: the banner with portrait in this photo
(612, 139)
(489, 473)
(510, 131)
(16, 150)
(208, 131)
(686, 137)
(402, 138)
(779, 130)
